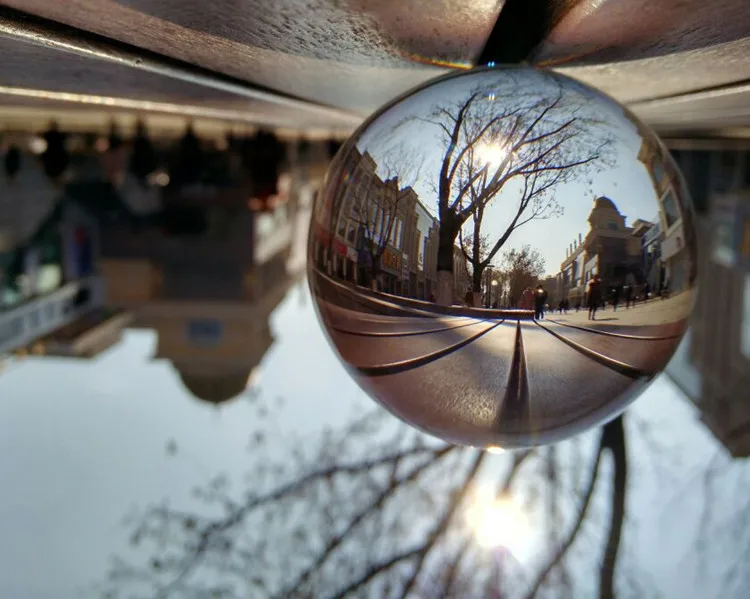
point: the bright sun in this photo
(500, 523)
(492, 154)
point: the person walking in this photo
(540, 301)
(527, 299)
(628, 295)
(594, 296)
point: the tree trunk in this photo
(614, 439)
(374, 274)
(446, 241)
(476, 280)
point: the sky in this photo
(627, 183)
(83, 442)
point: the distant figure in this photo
(628, 295)
(540, 301)
(578, 305)
(55, 157)
(143, 159)
(115, 159)
(615, 297)
(646, 292)
(664, 293)
(469, 298)
(12, 162)
(594, 296)
(189, 166)
(527, 299)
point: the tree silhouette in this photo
(495, 139)
(372, 511)
(375, 213)
(373, 204)
(521, 268)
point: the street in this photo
(478, 380)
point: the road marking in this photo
(412, 363)
(406, 333)
(621, 335)
(515, 403)
(620, 367)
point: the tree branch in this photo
(442, 525)
(571, 537)
(380, 499)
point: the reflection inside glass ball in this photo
(503, 257)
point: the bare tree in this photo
(535, 138)
(372, 511)
(372, 204)
(521, 269)
(376, 214)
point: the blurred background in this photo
(173, 422)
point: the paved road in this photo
(488, 380)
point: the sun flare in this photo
(500, 523)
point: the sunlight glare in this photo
(499, 523)
(492, 154)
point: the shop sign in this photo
(390, 261)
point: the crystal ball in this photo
(503, 257)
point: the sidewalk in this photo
(654, 312)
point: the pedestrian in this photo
(615, 297)
(628, 295)
(527, 299)
(594, 296)
(540, 300)
(12, 162)
(664, 293)
(469, 298)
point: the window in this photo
(657, 170)
(204, 332)
(726, 165)
(396, 234)
(612, 226)
(421, 249)
(342, 227)
(671, 212)
(351, 233)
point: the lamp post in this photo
(493, 285)
(488, 288)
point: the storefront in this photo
(390, 266)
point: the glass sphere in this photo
(503, 257)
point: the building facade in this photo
(609, 249)
(52, 293)
(713, 364)
(675, 269)
(208, 295)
